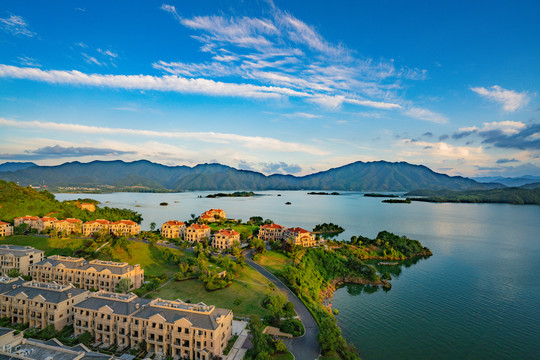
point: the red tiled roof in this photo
(99, 221)
(200, 226)
(228, 232)
(297, 230)
(125, 222)
(3, 223)
(272, 226)
(71, 220)
(28, 217)
(175, 222)
(46, 218)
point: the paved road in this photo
(305, 347)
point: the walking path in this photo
(305, 347)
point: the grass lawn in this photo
(283, 356)
(244, 296)
(51, 246)
(274, 261)
(330, 356)
(149, 257)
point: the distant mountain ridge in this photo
(509, 181)
(14, 166)
(357, 176)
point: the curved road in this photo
(305, 347)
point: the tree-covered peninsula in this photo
(516, 196)
(314, 273)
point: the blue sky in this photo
(278, 87)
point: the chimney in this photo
(69, 295)
(137, 306)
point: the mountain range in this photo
(509, 181)
(357, 176)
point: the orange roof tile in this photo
(272, 226)
(200, 226)
(228, 232)
(175, 222)
(297, 230)
(3, 223)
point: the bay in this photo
(477, 297)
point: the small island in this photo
(328, 228)
(234, 194)
(323, 193)
(381, 195)
(397, 201)
(163, 204)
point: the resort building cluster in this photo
(73, 291)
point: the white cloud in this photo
(510, 99)
(16, 25)
(28, 61)
(147, 82)
(303, 115)
(251, 142)
(108, 53)
(425, 114)
(282, 50)
(90, 59)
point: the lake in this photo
(477, 297)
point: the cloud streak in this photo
(511, 100)
(57, 151)
(251, 142)
(16, 25)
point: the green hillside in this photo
(18, 201)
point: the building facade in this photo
(94, 274)
(173, 229)
(47, 223)
(69, 226)
(271, 232)
(41, 304)
(33, 222)
(197, 233)
(18, 257)
(225, 239)
(5, 229)
(301, 237)
(124, 228)
(95, 226)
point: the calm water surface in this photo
(477, 297)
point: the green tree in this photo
(124, 285)
(152, 226)
(13, 272)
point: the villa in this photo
(95, 226)
(213, 215)
(301, 237)
(197, 233)
(272, 232)
(124, 228)
(225, 239)
(173, 229)
(69, 225)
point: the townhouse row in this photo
(94, 274)
(174, 328)
(72, 226)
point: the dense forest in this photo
(18, 201)
(518, 196)
(234, 194)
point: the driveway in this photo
(306, 347)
